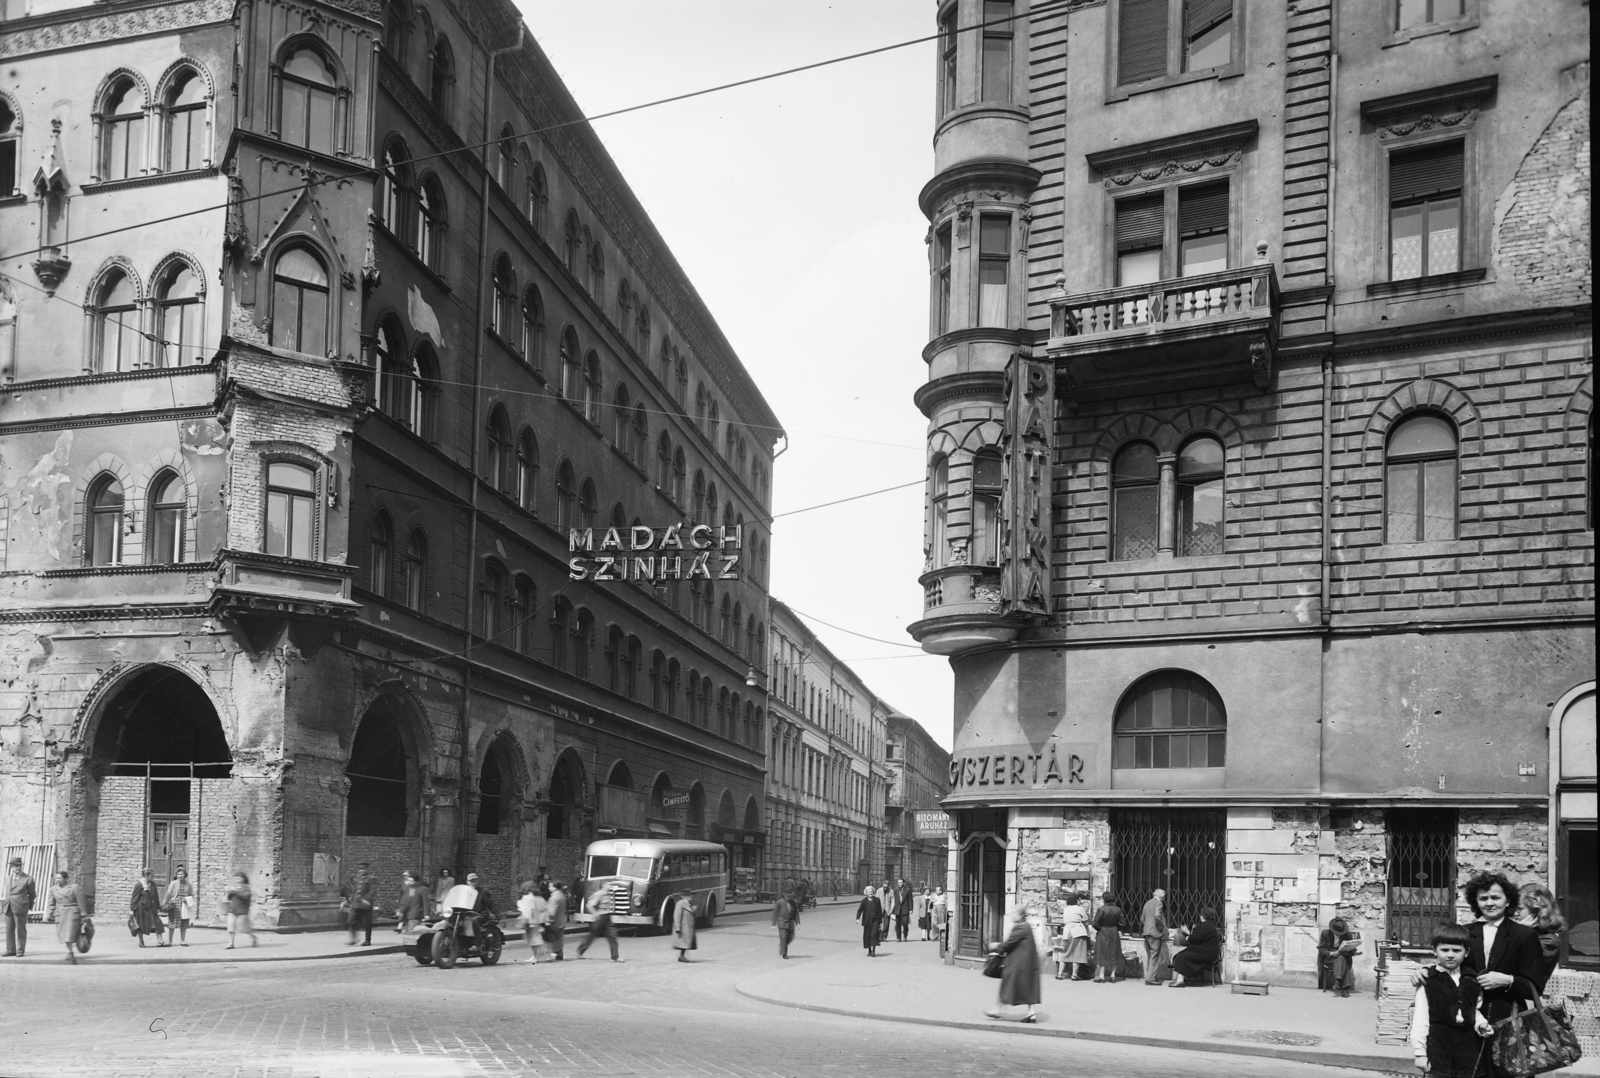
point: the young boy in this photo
(1447, 1021)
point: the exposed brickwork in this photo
(1541, 239)
(120, 850)
(1514, 841)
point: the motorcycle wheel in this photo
(494, 942)
(422, 950)
(445, 950)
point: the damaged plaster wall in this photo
(1542, 218)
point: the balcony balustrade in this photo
(961, 609)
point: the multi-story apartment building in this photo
(827, 781)
(325, 324)
(915, 827)
(1259, 524)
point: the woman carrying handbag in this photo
(1019, 977)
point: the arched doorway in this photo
(165, 770)
(383, 808)
(662, 818)
(497, 827)
(566, 824)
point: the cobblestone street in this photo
(385, 1015)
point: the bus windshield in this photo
(637, 868)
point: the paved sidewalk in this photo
(908, 983)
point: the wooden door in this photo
(168, 843)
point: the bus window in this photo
(637, 868)
(666, 866)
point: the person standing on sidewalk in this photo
(239, 911)
(903, 899)
(19, 897)
(555, 933)
(1074, 952)
(786, 915)
(178, 902)
(886, 897)
(146, 907)
(683, 939)
(66, 910)
(1156, 953)
(413, 903)
(359, 892)
(601, 926)
(870, 914)
(922, 911)
(1107, 925)
(441, 886)
(534, 911)
(1019, 980)
(940, 909)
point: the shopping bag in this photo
(1534, 1041)
(994, 965)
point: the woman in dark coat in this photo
(66, 910)
(1200, 954)
(869, 913)
(1019, 981)
(146, 907)
(1335, 971)
(683, 926)
(1107, 925)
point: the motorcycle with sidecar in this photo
(459, 933)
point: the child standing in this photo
(1447, 1020)
(239, 910)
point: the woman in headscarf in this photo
(1107, 925)
(146, 907)
(66, 910)
(1019, 981)
(1200, 954)
(870, 914)
(1336, 972)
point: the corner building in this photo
(288, 467)
(1259, 523)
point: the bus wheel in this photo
(710, 918)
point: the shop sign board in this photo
(932, 823)
(1057, 766)
(643, 553)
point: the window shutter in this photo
(1203, 210)
(1201, 15)
(1141, 40)
(1430, 171)
(1140, 223)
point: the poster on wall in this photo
(1300, 951)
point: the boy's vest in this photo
(1450, 1004)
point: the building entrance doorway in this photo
(1181, 851)
(981, 906)
(1422, 872)
(167, 841)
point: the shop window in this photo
(307, 97)
(185, 133)
(122, 135)
(116, 324)
(291, 510)
(1171, 719)
(300, 302)
(178, 322)
(994, 267)
(1420, 480)
(1200, 497)
(103, 531)
(1425, 211)
(986, 470)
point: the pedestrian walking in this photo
(1156, 954)
(903, 900)
(178, 903)
(359, 893)
(1448, 1025)
(600, 927)
(1107, 925)
(20, 895)
(1336, 949)
(1019, 979)
(940, 910)
(238, 902)
(886, 897)
(146, 907)
(1073, 953)
(786, 916)
(441, 887)
(413, 903)
(555, 931)
(870, 914)
(1200, 953)
(533, 911)
(65, 908)
(683, 939)
(1538, 910)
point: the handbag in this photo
(994, 965)
(1534, 1041)
(85, 934)
(925, 922)
(133, 924)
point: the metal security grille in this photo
(1180, 850)
(1422, 872)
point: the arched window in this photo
(560, 632)
(395, 26)
(391, 374)
(622, 420)
(379, 548)
(116, 324)
(163, 542)
(664, 463)
(597, 270)
(939, 497)
(103, 533)
(538, 196)
(986, 507)
(566, 796)
(441, 74)
(491, 594)
(582, 635)
(614, 658)
(382, 775)
(527, 470)
(185, 134)
(713, 421)
(525, 603)
(625, 307)
(566, 496)
(722, 713)
(300, 302)
(619, 519)
(679, 469)
(122, 131)
(503, 311)
(1200, 497)
(9, 132)
(620, 776)
(683, 379)
(665, 373)
(492, 789)
(574, 242)
(670, 688)
(395, 188)
(291, 509)
(430, 223)
(306, 103)
(1135, 502)
(506, 159)
(630, 668)
(178, 317)
(750, 653)
(414, 573)
(1420, 480)
(497, 456)
(532, 326)
(658, 679)
(641, 329)
(587, 504)
(708, 606)
(1171, 719)
(423, 388)
(641, 435)
(697, 503)
(591, 388)
(725, 624)
(571, 367)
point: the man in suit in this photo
(19, 897)
(903, 896)
(1155, 935)
(786, 915)
(1503, 955)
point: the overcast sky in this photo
(792, 205)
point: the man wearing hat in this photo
(18, 898)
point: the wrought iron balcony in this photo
(1202, 330)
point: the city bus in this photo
(636, 879)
